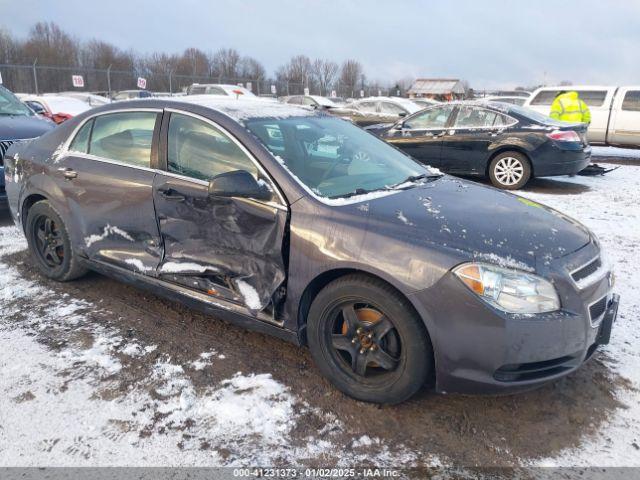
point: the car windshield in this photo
(535, 116)
(11, 105)
(334, 158)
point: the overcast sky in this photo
(489, 43)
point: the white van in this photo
(615, 111)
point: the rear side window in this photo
(81, 142)
(631, 101)
(593, 98)
(474, 117)
(391, 108)
(367, 106)
(545, 97)
(199, 150)
(124, 137)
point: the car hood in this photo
(17, 127)
(479, 221)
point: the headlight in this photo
(512, 291)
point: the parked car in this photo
(293, 222)
(425, 102)
(55, 107)
(220, 89)
(17, 122)
(615, 111)
(91, 99)
(507, 143)
(513, 100)
(130, 95)
(315, 101)
(375, 110)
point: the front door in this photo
(421, 135)
(107, 179)
(230, 248)
(625, 122)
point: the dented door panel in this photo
(227, 247)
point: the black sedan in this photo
(507, 143)
(300, 224)
(17, 122)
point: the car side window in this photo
(81, 141)
(631, 101)
(125, 137)
(215, 91)
(199, 150)
(545, 97)
(474, 117)
(308, 101)
(432, 118)
(367, 106)
(391, 108)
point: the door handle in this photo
(68, 173)
(171, 194)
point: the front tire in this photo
(510, 170)
(368, 341)
(49, 243)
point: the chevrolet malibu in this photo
(299, 224)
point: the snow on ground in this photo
(611, 209)
(60, 364)
(615, 152)
(61, 403)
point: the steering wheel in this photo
(341, 159)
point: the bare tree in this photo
(351, 76)
(224, 63)
(324, 72)
(297, 74)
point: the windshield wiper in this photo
(415, 178)
(357, 191)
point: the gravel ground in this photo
(94, 372)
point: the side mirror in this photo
(238, 183)
(402, 114)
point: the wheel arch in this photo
(29, 201)
(323, 279)
(509, 148)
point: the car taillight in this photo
(564, 136)
(61, 117)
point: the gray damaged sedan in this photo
(301, 225)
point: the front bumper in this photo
(479, 349)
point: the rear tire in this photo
(49, 243)
(368, 341)
(510, 170)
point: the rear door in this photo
(465, 146)
(107, 178)
(421, 135)
(624, 128)
(230, 248)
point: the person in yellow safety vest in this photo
(569, 108)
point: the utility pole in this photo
(35, 75)
(109, 81)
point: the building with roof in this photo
(437, 88)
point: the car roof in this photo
(240, 110)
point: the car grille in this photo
(597, 309)
(588, 269)
(4, 146)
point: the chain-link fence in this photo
(37, 79)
